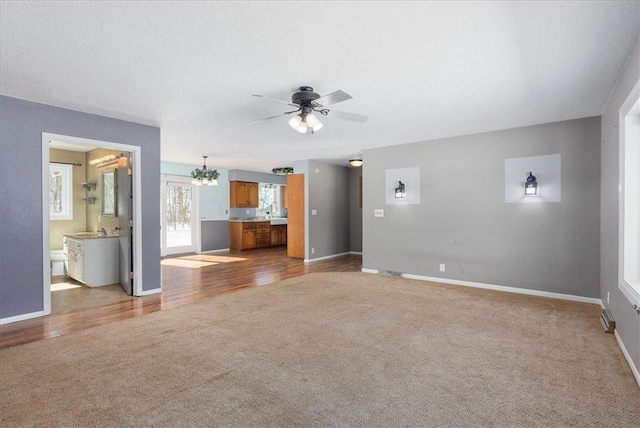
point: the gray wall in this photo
(355, 211)
(21, 126)
(627, 321)
(214, 235)
(464, 222)
(256, 177)
(327, 192)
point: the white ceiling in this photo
(419, 70)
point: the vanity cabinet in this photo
(93, 262)
(243, 194)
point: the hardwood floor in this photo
(185, 279)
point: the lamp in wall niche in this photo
(400, 191)
(531, 186)
(355, 162)
(205, 176)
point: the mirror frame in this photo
(105, 174)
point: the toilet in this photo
(57, 262)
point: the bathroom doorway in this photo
(92, 227)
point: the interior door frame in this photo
(195, 214)
(137, 210)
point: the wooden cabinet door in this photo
(283, 235)
(275, 236)
(248, 238)
(252, 195)
(242, 194)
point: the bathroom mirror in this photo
(109, 205)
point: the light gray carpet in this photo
(338, 349)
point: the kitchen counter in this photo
(89, 235)
(274, 221)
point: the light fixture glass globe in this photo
(355, 162)
(295, 122)
(318, 126)
(213, 182)
(311, 120)
(205, 181)
(302, 128)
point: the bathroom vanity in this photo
(91, 258)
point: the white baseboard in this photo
(22, 317)
(214, 251)
(526, 291)
(634, 369)
(359, 253)
(373, 271)
(153, 291)
(332, 256)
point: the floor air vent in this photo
(606, 319)
(392, 273)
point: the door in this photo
(248, 238)
(124, 196)
(179, 218)
(295, 200)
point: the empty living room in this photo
(320, 213)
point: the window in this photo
(268, 200)
(629, 269)
(60, 192)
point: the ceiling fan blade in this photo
(353, 117)
(276, 100)
(268, 118)
(333, 98)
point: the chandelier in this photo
(205, 176)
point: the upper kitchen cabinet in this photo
(244, 194)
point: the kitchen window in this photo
(60, 192)
(269, 200)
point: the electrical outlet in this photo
(248, 212)
(314, 212)
(378, 213)
(608, 295)
(313, 251)
(441, 267)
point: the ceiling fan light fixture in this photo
(302, 128)
(311, 120)
(295, 122)
(318, 126)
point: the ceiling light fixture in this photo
(205, 176)
(531, 186)
(355, 162)
(305, 122)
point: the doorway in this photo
(128, 223)
(179, 222)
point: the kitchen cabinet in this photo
(278, 235)
(243, 194)
(263, 234)
(255, 234)
(94, 262)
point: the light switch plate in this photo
(378, 213)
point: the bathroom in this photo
(83, 226)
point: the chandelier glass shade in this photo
(205, 176)
(304, 123)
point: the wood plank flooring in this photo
(185, 280)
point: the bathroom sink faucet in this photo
(102, 230)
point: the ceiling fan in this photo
(306, 103)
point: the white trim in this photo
(214, 251)
(633, 367)
(526, 291)
(136, 152)
(332, 256)
(630, 292)
(373, 271)
(22, 317)
(356, 252)
(627, 289)
(153, 291)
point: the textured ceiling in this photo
(419, 70)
